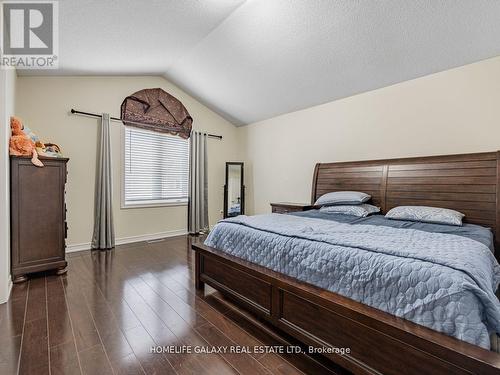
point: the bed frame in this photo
(379, 342)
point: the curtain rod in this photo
(75, 112)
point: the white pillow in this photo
(342, 197)
(426, 214)
(360, 210)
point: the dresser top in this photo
(291, 204)
(39, 157)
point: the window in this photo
(155, 169)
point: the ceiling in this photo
(255, 59)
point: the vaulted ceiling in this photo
(255, 59)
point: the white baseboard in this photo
(126, 240)
(77, 247)
(5, 298)
(9, 287)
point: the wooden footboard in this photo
(377, 341)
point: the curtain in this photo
(198, 184)
(104, 231)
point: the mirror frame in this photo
(242, 186)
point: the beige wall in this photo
(456, 111)
(44, 103)
(7, 109)
(450, 112)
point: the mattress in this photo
(442, 279)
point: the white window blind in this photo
(156, 168)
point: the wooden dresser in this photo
(38, 216)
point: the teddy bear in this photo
(20, 144)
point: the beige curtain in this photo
(198, 184)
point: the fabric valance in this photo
(156, 110)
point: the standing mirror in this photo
(234, 190)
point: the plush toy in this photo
(20, 144)
(30, 134)
(48, 149)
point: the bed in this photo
(303, 292)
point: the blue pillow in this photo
(360, 210)
(343, 198)
(426, 214)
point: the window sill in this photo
(152, 205)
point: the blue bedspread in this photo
(440, 280)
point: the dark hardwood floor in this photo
(111, 308)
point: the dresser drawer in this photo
(284, 208)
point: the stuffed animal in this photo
(20, 144)
(48, 149)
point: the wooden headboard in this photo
(469, 183)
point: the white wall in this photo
(7, 109)
(456, 111)
(44, 104)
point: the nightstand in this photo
(286, 207)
